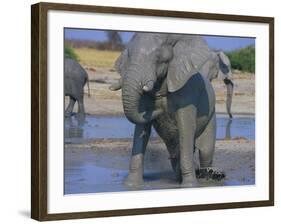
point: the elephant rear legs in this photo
(205, 143)
(70, 106)
(81, 109)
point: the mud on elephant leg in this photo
(141, 137)
(166, 128)
(205, 143)
(174, 152)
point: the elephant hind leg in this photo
(81, 111)
(205, 143)
(81, 108)
(166, 128)
(173, 149)
(70, 106)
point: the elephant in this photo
(209, 63)
(75, 78)
(162, 88)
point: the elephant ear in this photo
(189, 56)
(122, 62)
(179, 72)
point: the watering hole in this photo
(97, 155)
(119, 127)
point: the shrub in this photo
(69, 53)
(243, 59)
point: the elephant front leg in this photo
(186, 122)
(141, 137)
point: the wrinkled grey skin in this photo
(211, 64)
(75, 78)
(161, 87)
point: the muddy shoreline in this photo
(102, 165)
(106, 102)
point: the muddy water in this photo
(120, 127)
(105, 170)
(93, 168)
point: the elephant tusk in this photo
(116, 86)
(148, 86)
(146, 89)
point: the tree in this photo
(114, 40)
(243, 59)
(69, 53)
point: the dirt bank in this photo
(106, 102)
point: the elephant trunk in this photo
(132, 93)
(229, 94)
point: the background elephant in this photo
(161, 87)
(75, 78)
(209, 63)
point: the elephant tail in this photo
(88, 85)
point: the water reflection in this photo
(73, 128)
(228, 129)
(119, 127)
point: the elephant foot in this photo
(134, 180)
(67, 114)
(176, 166)
(189, 181)
(177, 172)
(210, 173)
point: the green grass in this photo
(243, 59)
(70, 53)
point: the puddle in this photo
(93, 168)
(103, 170)
(120, 127)
(94, 173)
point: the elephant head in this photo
(143, 66)
(217, 65)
